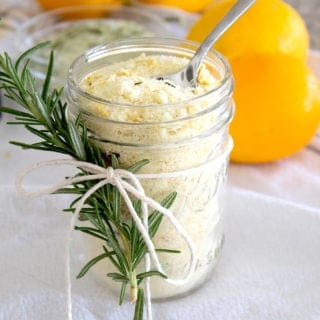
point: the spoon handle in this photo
(237, 10)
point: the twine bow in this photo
(127, 183)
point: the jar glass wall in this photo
(187, 145)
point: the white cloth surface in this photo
(295, 179)
(269, 267)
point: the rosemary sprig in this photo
(44, 115)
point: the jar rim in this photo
(152, 42)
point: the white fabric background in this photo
(269, 268)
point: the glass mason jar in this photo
(188, 153)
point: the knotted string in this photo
(119, 178)
(127, 183)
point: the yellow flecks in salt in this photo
(134, 82)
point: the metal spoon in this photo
(187, 77)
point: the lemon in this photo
(54, 4)
(277, 107)
(189, 5)
(270, 26)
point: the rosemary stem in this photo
(132, 274)
(133, 286)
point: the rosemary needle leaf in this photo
(117, 277)
(43, 111)
(30, 51)
(138, 311)
(91, 233)
(93, 221)
(25, 71)
(47, 80)
(116, 203)
(39, 133)
(21, 122)
(8, 64)
(76, 142)
(138, 165)
(168, 250)
(126, 231)
(114, 243)
(113, 260)
(156, 217)
(15, 112)
(122, 292)
(151, 273)
(114, 161)
(91, 263)
(12, 95)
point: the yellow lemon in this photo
(277, 107)
(54, 4)
(270, 26)
(188, 5)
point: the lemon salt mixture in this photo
(147, 100)
(132, 82)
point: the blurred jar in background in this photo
(72, 30)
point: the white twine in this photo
(126, 183)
